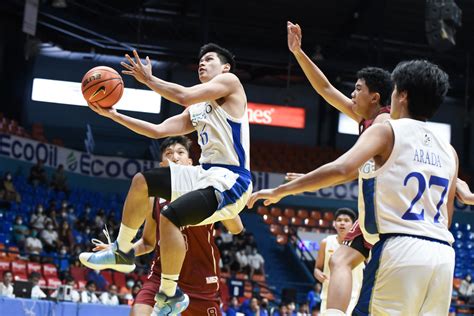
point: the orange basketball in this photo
(102, 86)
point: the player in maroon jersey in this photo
(199, 277)
(366, 106)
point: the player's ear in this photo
(190, 161)
(376, 97)
(162, 164)
(226, 67)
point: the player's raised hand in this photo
(269, 195)
(137, 69)
(107, 112)
(463, 193)
(290, 176)
(294, 37)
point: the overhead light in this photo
(60, 4)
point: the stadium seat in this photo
(119, 279)
(258, 278)
(328, 216)
(289, 212)
(20, 277)
(107, 274)
(4, 265)
(53, 282)
(296, 221)
(268, 219)
(78, 273)
(283, 220)
(50, 270)
(33, 267)
(311, 222)
(275, 211)
(302, 214)
(13, 253)
(315, 215)
(262, 210)
(276, 229)
(282, 239)
(19, 267)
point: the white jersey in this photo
(408, 194)
(331, 246)
(224, 140)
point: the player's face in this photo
(398, 101)
(342, 224)
(363, 99)
(210, 66)
(176, 153)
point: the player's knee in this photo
(139, 182)
(338, 260)
(141, 309)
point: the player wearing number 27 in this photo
(407, 182)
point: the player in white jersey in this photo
(407, 175)
(344, 219)
(216, 190)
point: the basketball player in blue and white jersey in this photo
(407, 181)
(216, 190)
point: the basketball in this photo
(102, 86)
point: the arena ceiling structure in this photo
(344, 35)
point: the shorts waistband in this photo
(236, 169)
(387, 236)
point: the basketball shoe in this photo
(174, 305)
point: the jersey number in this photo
(434, 181)
(204, 136)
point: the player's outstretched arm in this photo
(319, 265)
(316, 77)
(376, 141)
(463, 193)
(219, 87)
(176, 125)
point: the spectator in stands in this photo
(49, 236)
(36, 291)
(282, 311)
(303, 310)
(65, 235)
(126, 291)
(63, 208)
(59, 180)
(98, 279)
(135, 289)
(88, 295)
(20, 231)
(243, 260)
(466, 289)
(62, 260)
(6, 286)
(265, 307)
(52, 219)
(254, 308)
(71, 215)
(291, 306)
(86, 217)
(227, 259)
(233, 307)
(256, 263)
(314, 297)
(38, 218)
(110, 297)
(75, 296)
(7, 189)
(38, 174)
(33, 245)
(99, 220)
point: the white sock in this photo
(333, 312)
(168, 284)
(125, 237)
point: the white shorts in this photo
(407, 276)
(233, 186)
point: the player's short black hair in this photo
(7, 271)
(170, 141)
(346, 211)
(426, 86)
(377, 80)
(225, 56)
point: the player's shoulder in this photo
(227, 77)
(381, 118)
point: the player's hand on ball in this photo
(141, 72)
(269, 195)
(107, 112)
(294, 37)
(290, 176)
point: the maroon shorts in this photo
(355, 239)
(196, 306)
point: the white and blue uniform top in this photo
(224, 140)
(408, 194)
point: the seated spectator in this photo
(233, 307)
(65, 235)
(49, 236)
(126, 291)
(242, 259)
(303, 310)
(75, 296)
(7, 189)
(282, 311)
(6, 286)
(256, 263)
(36, 291)
(314, 297)
(20, 231)
(99, 281)
(110, 297)
(71, 215)
(59, 180)
(265, 309)
(33, 245)
(38, 218)
(62, 260)
(88, 295)
(466, 289)
(38, 174)
(52, 219)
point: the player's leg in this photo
(341, 264)
(438, 297)
(145, 300)
(141, 309)
(202, 307)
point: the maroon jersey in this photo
(365, 124)
(199, 277)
